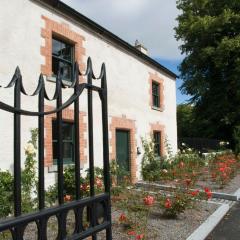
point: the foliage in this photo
(151, 165)
(29, 181)
(185, 121)
(6, 196)
(29, 178)
(210, 35)
(236, 139)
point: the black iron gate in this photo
(18, 223)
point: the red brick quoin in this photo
(67, 115)
(63, 31)
(160, 81)
(125, 124)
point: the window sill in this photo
(53, 168)
(161, 109)
(53, 79)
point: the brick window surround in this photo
(160, 81)
(159, 128)
(68, 116)
(125, 124)
(63, 31)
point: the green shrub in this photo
(6, 196)
(151, 165)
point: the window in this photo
(155, 95)
(157, 142)
(68, 142)
(62, 56)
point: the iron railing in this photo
(17, 224)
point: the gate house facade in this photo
(41, 35)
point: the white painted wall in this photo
(128, 86)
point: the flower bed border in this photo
(210, 223)
(226, 196)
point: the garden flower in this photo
(181, 164)
(208, 192)
(221, 169)
(165, 170)
(149, 200)
(122, 218)
(168, 203)
(131, 233)
(209, 195)
(140, 236)
(99, 182)
(194, 193)
(85, 187)
(188, 181)
(29, 149)
(67, 198)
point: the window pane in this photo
(155, 94)
(62, 50)
(68, 141)
(67, 131)
(157, 139)
(66, 69)
(67, 151)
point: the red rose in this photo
(209, 195)
(168, 203)
(221, 169)
(131, 233)
(122, 217)
(99, 182)
(195, 193)
(206, 190)
(149, 200)
(140, 236)
(67, 198)
(188, 181)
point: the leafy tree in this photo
(185, 120)
(210, 35)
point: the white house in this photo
(35, 35)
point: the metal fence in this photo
(17, 224)
(200, 144)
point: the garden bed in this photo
(162, 228)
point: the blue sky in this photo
(150, 22)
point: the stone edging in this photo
(226, 196)
(208, 225)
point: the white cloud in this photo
(149, 21)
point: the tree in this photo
(210, 35)
(185, 120)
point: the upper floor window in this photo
(157, 142)
(63, 57)
(156, 94)
(68, 142)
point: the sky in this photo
(151, 22)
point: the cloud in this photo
(151, 22)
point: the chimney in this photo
(140, 47)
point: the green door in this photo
(122, 149)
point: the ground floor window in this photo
(157, 142)
(68, 142)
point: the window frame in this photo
(71, 62)
(66, 161)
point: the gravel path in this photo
(160, 228)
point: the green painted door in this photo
(122, 149)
